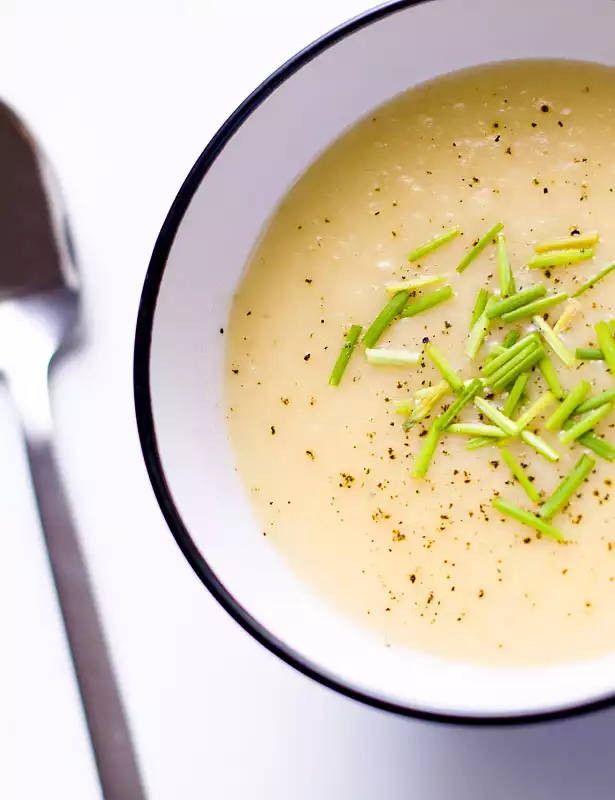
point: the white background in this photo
(124, 95)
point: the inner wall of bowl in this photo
(265, 156)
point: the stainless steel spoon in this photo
(38, 319)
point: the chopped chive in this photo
(589, 354)
(558, 258)
(593, 281)
(585, 424)
(424, 391)
(481, 441)
(392, 358)
(403, 406)
(595, 402)
(427, 403)
(522, 298)
(448, 373)
(514, 396)
(427, 301)
(599, 446)
(537, 407)
(511, 338)
(392, 309)
(537, 307)
(497, 349)
(526, 518)
(565, 409)
(528, 363)
(531, 340)
(508, 374)
(545, 365)
(561, 496)
(567, 242)
(607, 345)
(476, 429)
(554, 342)
(521, 475)
(496, 416)
(350, 342)
(479, 306)
(568, 314)
(507, 282)
(468, 394)
(433, 244)
(414, 283)
(426, 453)
(480, 245)
(477, 335)
(540, 446)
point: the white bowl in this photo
(195, 268)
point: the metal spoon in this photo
(38, 315)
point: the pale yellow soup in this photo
(428, 563)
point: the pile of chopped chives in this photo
(508, 368)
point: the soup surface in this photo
(428, 563)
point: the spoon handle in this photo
(104, 712)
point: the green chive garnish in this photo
(522, 298)
(559, 258)
(392, 358)
(427, 403)
(607, 345)
(567, 242)
(568, 314)
(446, 370)
(537, 407)
(537, 307)
(414, 283)
(480, 245)
(550, 375)
(589, 354)
(531, 340)
(521, 475)
(426, 453)
(477, 335)
(540, 446)
(593, 281)
(479, 306)
(526, 518)
(599, 446)
(555, 343)
(427, 301)
(568, 486)
(433, 244)
(515, 394)
(511, 338)
(595, 402)
(565, 409)
(482, 441)
(507, 282)
(509, 373)
(476, 429)
(496, 416)
(350, 342)
(467, 395)
(585, 424)
(392, 309)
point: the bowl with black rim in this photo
(196, 265)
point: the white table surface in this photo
(124, 95)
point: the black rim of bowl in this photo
(145, 424)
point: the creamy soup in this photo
(428, 562)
